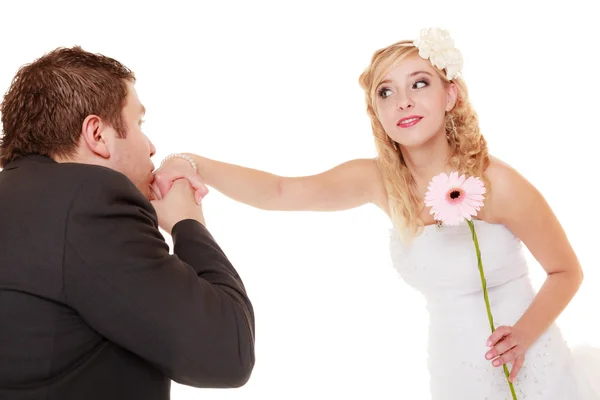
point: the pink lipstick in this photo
(409, 121)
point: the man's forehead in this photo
(134, 100)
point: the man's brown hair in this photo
(48, 100)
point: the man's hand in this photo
(172, 170)
(178, 204)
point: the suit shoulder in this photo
(97, 174)
(102, 186)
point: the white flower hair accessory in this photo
(437, 46)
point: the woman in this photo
(424, 125)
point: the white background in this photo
(274, 85)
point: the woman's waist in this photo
(508, 298)
(463, 319)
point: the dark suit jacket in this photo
(93, 306)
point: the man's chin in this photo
(147, 192)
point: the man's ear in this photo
(452, 97)
(95, 135)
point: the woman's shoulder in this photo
(502, 175)
(507, 186)
(498, 169)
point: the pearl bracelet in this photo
(182, 156)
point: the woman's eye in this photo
(385, 92)
(420, 84)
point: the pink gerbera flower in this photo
(453, 199)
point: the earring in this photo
(450, 130)
(395, 145)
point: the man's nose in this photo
(152, 148)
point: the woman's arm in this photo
(518, 205)
(345, 186)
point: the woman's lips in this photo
(409, 121)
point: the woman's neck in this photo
(425, 161)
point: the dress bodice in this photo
(441, 262)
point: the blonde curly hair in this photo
(469, 153)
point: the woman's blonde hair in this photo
(469, 153)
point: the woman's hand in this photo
(508, 344)
(172, 170)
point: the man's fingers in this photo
(163, 185)
(155, 191)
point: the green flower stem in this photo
(487, 300)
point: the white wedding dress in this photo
(442, 264)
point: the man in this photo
(92, 305)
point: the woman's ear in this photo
(452, 96)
